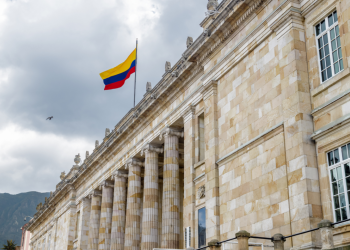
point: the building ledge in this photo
(331, 127)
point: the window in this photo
(339, 167)
(187, 237)
(329, 49)
(49, 242)
(201, 137)
(77, 225)
(201, 227)
(44, 241)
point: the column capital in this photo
(120, 174)
(106, 184)
(189, 113)
(134, 162)
(171, 131)
(210, 89)
(152, 148)
(95, 193)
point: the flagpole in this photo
(135, 74)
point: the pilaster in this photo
(83, 237)
(212, 204)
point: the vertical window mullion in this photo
(332, 194)
(330, 49)
(345, 188)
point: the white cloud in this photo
(33, 161)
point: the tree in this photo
(11, 245)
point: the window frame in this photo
(200, 208)
(327, 31)
(340, 164)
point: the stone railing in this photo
(242, 237)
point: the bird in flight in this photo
(49, 118)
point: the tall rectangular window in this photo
(329, 48)
(201, 227)
(339, 167)
(77, 226)
(49, 242)
(201, 137)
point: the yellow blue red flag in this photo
(116, 77)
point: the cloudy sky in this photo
(51, 54)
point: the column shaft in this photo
(84, 222)
(132, 227)
(94, 226)
(106, 216)
(171, 194)
(119, 213)
(150, 203)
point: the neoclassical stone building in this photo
(249, 130)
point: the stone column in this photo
(171, 189)
(119, 210)
(84, 222)
(278, 241)
(95, 213)
(160, 199)
(71, 217)
(104, 241)
(133, 220)
(326, 229)
(212, 203)
(150, 198)
(242, 238)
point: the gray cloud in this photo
(51, 54)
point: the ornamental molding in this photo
(168, 131)
(120, 174)
(189, 113)
(106, 184)
(95, 193)
(150, 147)
(210, 89)
(201, 192)
(134, 162)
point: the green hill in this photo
(13, 209)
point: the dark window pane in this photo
(318, 31)
(332, 34)
(337, 30)
(326, 50)
(339, 173)
(201, 227)
(329, 72)
(335, 56)
(340, 186)
(320, 43)
(343, 214)
(336, 201)
(340, 54)
(324, 76)
(335, 188)
(325, 39)
(347, 170)
(341, 64)
(337, 215)
(330, 20)
(336, 68)
(342, 200)
(323, 64)
(330, 158)
(335, 17)
(321, 53)
(338, 41)
(336, 158)
(348, 183)
(344, 152)
(333, 175)
(323, 25)
(334, 45)
(328, 61)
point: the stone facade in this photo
(251, 126)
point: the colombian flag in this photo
(116, 77)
